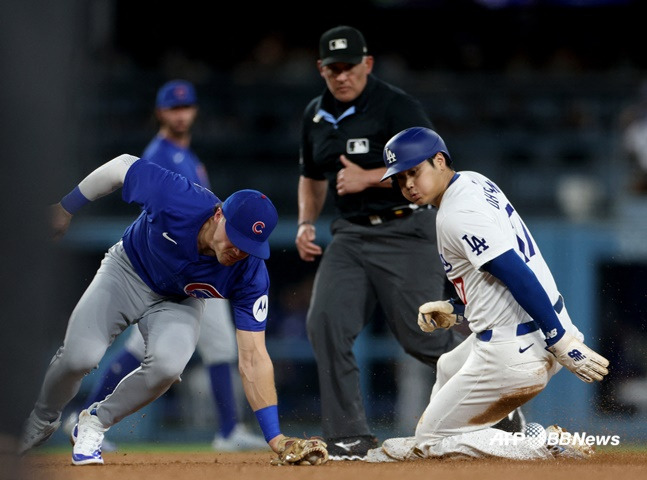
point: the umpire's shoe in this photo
(514, 422)
(36, 432)
(350, 448)
(89, 437)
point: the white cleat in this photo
(378, 455)
(36, 432)
(239, 439)
(563, 444)
(402, 448)
(71, 427)
(89, 437)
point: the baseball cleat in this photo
(238, 440)
(378, 455)
(402, 448)
(350, 448)
(36, 432)
(514, 422)
(89, 437)
(563, 444)
(106, 445)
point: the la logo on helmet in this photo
(390, 156)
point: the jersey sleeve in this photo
(250, 301)
(148, 184)
(476, 236)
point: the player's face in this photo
(346, 81)
(424, 184)
(219, 243)
(177, 120)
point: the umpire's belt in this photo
(508, 331)
(383, 216)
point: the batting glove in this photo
(438, 314)
(579, 359)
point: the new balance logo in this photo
(347, 446)
(576, 355)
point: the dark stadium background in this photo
(520, 89)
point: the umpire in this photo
(383, 249)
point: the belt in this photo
(385, 215)
(521, 329)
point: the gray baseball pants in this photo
(115, 299)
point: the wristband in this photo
(74, 200)
(268, 419)
(305, 222)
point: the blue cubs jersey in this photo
(177, 159)
(162, 245)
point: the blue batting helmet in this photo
(411, 147)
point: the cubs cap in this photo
(342, 44)
(176, 93)
(250, 218)
(411, 147)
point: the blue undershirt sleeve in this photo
(522, 282)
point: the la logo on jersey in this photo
(201, 290)
(260, 309)
(477, 245)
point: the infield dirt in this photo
(256, 466)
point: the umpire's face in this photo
(344, 80)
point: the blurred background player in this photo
(343, 133)
(176, 109)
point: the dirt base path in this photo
(255, 466)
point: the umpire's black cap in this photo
(342, 44)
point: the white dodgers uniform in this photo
(503, 363)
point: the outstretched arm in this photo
(257, 375)
(102, 181)
(526, 289)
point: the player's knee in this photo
(77, 360)
(165, 372)
(442, 365)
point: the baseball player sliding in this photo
(522, 333)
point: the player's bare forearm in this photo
(256, 369)
(59, 220)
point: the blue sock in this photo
(123, 363)
(223, 394)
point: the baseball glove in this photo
(301, 451)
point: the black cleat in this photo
(350, 448)
(514, 422)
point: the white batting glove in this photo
(438, 314)
(579, 359)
